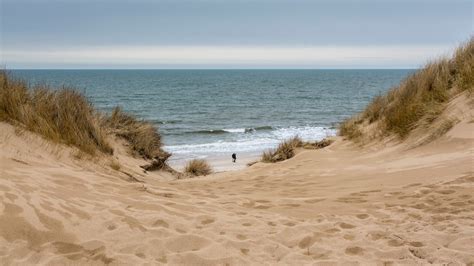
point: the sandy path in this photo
(339, 204)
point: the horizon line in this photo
(370, 68)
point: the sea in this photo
(211, 114)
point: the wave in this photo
(163, 122)
(235, 130)
(229, 130)
(259, 141)
(248, 129)
(262, 128)
(210, 131)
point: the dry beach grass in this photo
(419, 99)
(198, 167)
(64, 115)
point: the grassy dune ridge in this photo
(143, 137)
(66, 116)
(417, 100)
(287, 149)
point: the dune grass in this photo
(285, 150)
(317, 144)
(64, 115)
(198, 167)
(142, 136)
(419, 99)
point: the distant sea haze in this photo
(203, 113)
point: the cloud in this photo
(242, 56)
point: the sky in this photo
(230, 34)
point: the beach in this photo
(388, 202)
(232, 132)
(221, 162)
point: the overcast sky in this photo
(230, 34)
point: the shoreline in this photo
(221, 162)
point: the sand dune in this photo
(386, 202)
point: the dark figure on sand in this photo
(234, 157)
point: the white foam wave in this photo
(235, 130)
(253, 142)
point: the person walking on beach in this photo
(234, 157)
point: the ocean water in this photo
(212, 113)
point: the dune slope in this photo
(386, 202)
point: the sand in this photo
(385, 202)
(221, 162)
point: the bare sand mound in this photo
(386, 202)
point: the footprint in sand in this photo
(413, 185)
(416, 244)
(76, 252)
(271, 223)
(458, 204)
(244, 251)
(332, 230)
(351, 200)
(10, 196)
(354, 251)
(394, 193)
(362, 216)
(67, 248)
(140, 255)
(249, 204)
(349, 237)
(241, 237)
(358, 194)
(161, 223)
(181, 231)
(419, 206)
(292, 205)
(346, 226)
(415, 216)
(208, 221)
(376, 235)
(445, 192)
(110, 225)
(371, 191)
(418, 253)
(395, 242)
